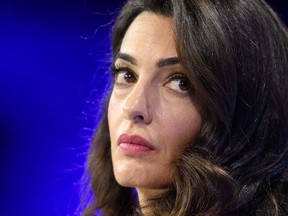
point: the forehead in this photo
(152, 32)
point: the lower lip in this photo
(134, 149)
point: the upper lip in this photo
(134, 139)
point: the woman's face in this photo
(151, 114)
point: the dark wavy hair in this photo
(236, 56)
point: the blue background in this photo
(53, 60)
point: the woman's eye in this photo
(124, 76)
(179, 83)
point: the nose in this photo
(137, 105)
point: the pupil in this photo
(128, 76)
(184, 85)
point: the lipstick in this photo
(134, 144)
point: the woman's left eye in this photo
(179, 83)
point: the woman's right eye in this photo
(124, 76)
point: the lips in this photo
(134, 144)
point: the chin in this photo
(126, 179)
(132, 173)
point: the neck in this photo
(144, 195)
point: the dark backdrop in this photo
(50, 51)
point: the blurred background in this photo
(53, 58)
(53, 54)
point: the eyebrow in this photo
(168, 62)
(160, 63)
(127, 58)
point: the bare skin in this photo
(151, 100)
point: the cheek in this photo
(112, 105)
(181, 126)
(113, 112)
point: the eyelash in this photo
(177, 76)
(115, 70)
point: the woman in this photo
(196, 122)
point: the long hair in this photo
(236, 56)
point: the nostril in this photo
(139, 118)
